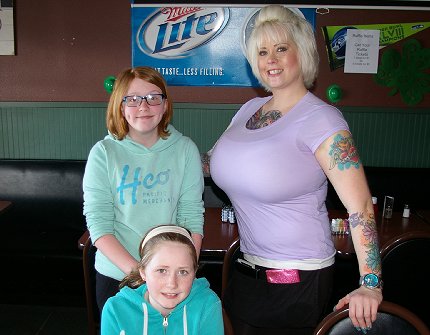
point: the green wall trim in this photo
(48, 104)
(395, 137)
(391, 137)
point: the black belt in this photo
(256, 272)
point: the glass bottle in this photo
(388, 212)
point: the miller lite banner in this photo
(196, 46)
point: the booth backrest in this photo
(45, 190)
(407, 185)
(39, 252)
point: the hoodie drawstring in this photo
(184, 320)
(145, 319)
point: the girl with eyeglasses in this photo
(142, 174)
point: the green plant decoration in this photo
(406, 73)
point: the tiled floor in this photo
(42, 320)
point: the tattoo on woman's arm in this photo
(343, 153)
(369, 240)
(205, 158)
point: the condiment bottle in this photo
(406, 211)
(388, 212)
(375, 205)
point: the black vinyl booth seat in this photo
(407, 186)
(40, 229)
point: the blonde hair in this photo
(115, 121)
(148, 247)
(275, 23)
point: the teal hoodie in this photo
(128, 313)
(129, 189)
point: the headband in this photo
(166, 229)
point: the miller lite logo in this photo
(172, 32)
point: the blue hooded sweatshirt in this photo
(129, 189)
(128, 313)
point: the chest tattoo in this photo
(262, 119)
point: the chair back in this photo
(228, 328)
(93, 315)
(230, 257)
(406, 272)
(392, 319)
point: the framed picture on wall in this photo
(7, 36)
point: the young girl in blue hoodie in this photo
(162, 295)
(144, 173)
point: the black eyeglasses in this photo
(151, 99)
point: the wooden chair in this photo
(406, 272)
(230, 257)
(392, 319)
(88, 257)
(228, 328)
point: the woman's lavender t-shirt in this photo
(274, 181)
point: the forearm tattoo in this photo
(206, 159)
(343, 153)
(262, 119)
(369, 239)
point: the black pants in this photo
(106, 287)
(257, 307)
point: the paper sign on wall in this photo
(7, 39)
(362, 51)
(335, 37)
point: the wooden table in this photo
(218, 236)
(4, 206)
(424, 214)
(388, 230)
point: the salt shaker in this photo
(406, 211)
(224, 213)
(375, 205)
